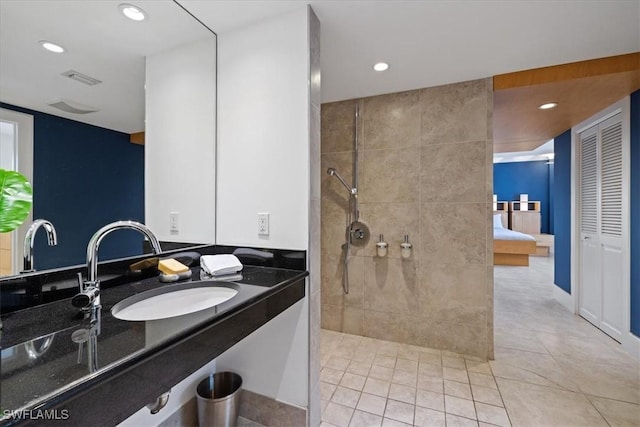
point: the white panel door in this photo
(601, 226)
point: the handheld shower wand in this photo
(333, 172)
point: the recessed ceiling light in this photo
(548, 106)
(132, 12)
(51, 47)
(381, 66)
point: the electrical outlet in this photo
(173, 222)
(263, 224)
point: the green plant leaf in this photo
(16, 197)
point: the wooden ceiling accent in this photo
(581, 89)
(137, 138)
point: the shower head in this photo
(333, 172)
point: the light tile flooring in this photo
(551, 368)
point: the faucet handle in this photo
(80, 282)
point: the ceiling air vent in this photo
(71, 106)
(82, 78)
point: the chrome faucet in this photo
(89, 297)
(29, 238)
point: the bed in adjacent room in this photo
(511, 247)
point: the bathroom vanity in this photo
(56, 363)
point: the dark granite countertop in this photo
(45, 366)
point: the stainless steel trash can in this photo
(218, 398)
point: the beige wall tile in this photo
(353, 321)
(390, 175)
(462, 338)
(425, 170)
(338, 124)
(391, 285)
(332, 190)
(455, 112)
(453, 233)
(392, 121)
(343, 319)
(331, 317)
(393, 220)
(453, 293)
(332, 286)
(386, 326)
(453, 172)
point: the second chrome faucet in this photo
(29, 239)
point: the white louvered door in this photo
(590, 289)
(601, 226)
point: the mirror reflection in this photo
(86, 158)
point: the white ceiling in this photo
(434, 42)
(427, 43)
(543, 152)
(100, 42)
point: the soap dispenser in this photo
(405, 247)
(381, 247)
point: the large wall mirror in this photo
(88, 116)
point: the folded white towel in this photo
(220, 265)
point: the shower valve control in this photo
(263, 224)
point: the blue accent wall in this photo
(562, 210)
(551, 199)
(532, 178)
(84, 177)
(635, 213)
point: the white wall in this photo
(273, 361)
(180, 141)
(263, 166)
(263, 132)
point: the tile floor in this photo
(551, 369)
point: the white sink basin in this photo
(173, 301)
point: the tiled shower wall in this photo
(425, 170)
